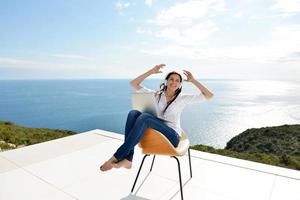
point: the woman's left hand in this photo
(189, 76)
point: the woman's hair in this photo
(163, 88)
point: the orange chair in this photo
(155, 143)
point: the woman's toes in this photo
(106, 166)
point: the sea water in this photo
(82, 105)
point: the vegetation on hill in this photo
(278, 140)
(278, 145)
(13, 136)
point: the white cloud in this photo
(188, 29)
(141, 30)
(185, 23)
(71, 56)
(287, 7)
(238, 14)
(283, 46)
(47, 69)
(291, 58)
(122, 6)
(193, 35)
(286, 40)
(185, 13)
(38, 65)
(173, 50)
(13, 62)
(149, 2)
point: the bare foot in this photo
(108, 165)
(123, 163)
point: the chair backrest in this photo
(155, 142)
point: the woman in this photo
(170, 105)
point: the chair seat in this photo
(156, 143)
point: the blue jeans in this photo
(136, 125)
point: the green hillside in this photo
(13, 136)
(278, 145)
(278, 140)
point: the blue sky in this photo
(245, 39)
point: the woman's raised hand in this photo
(189, 76)
(157, 68)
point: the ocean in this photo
(83, 105)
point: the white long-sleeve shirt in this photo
(173, 113)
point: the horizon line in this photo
(70, 79)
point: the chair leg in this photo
(190, 162)
(139, 171)
(180, 182)
(152, 163)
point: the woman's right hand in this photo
(157, 68)
(135, 83)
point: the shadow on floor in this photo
(178, 191)
(133, 197)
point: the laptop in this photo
(145, 102)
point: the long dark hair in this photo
(163, 88)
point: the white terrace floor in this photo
(68, 168)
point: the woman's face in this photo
(173, 83)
